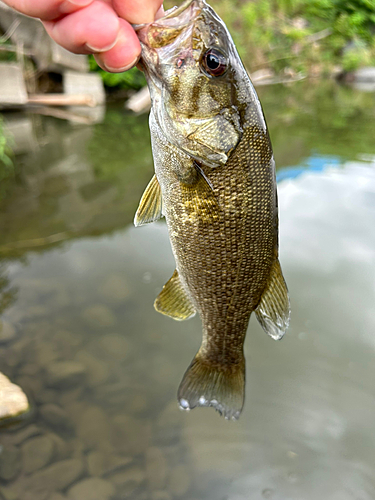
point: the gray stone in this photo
(90, 84)
(56, 418)
(161, 495)
(62, 447)
(179, 481)
(55, 477)
(98, 316)
(37, 453)
(115, 345)
(128, 481)
(10, 463)
(114, 288)
(97, 371)
(28, 432)
(7, 332)
(156, 468)
(93, 488)
(94, 429)
(57, 496)
(64, 374)
(132, 435)
(12, 85)
(365, 75)
(100, 463)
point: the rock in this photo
(98, 316)
(57, 496)
(28, 432)
(13, 401)
(132, 435)
(57, 476)
(179, 481)
(97, 371)
(156, 468)
(128, 481)
(115, 345)
(64, 374)
(56, 418)
(10, 463)
(7, 332)
(62, 448)
(365, 75)
(37, 453)
(93, 488)
(115, 289)
(100, 464)
(161, 495)
(94, 429)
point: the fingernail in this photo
(101, 49)
(124, 68)
(80, 3)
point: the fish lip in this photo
(164, 30)
(169, 14)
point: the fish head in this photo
(199, 87)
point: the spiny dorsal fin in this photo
(273, 311)
(211, 384)
(150, 206)
(173, 301)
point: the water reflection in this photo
(101, 367)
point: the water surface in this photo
(101, 367)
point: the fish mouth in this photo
(166, 29)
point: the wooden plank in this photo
(62, 100)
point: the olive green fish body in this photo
(215, 176)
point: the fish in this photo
(215, 185)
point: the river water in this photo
(101, 368)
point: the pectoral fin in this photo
(150, 206)
(173, 300)
(273, 311)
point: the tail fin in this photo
(219, 386)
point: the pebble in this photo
(115, 289)
(64, 374)
(37, 453)
(156, 468)
(57, 476)
(132, 435)
(128, 481)
(56, 418)
(100, 463)
(7, 332)
(13, 401)
(97, 371)
(179, 481)
(57, 496)
(28, 432)
(98, 316)
(161, 495)
(93, 428)
(93, 488)
(115, 345)
(10, 463)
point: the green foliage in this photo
(132, 79)
(6, 162)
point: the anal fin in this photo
(173, 300)
(150, 206)
(273, 311)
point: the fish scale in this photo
(215, 175)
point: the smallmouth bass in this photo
(215, 184)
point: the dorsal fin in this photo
(273, 311)
(150, 206)
(173, 300)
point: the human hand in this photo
(99, 27)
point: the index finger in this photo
(47, 10)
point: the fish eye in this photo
(214, 62)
